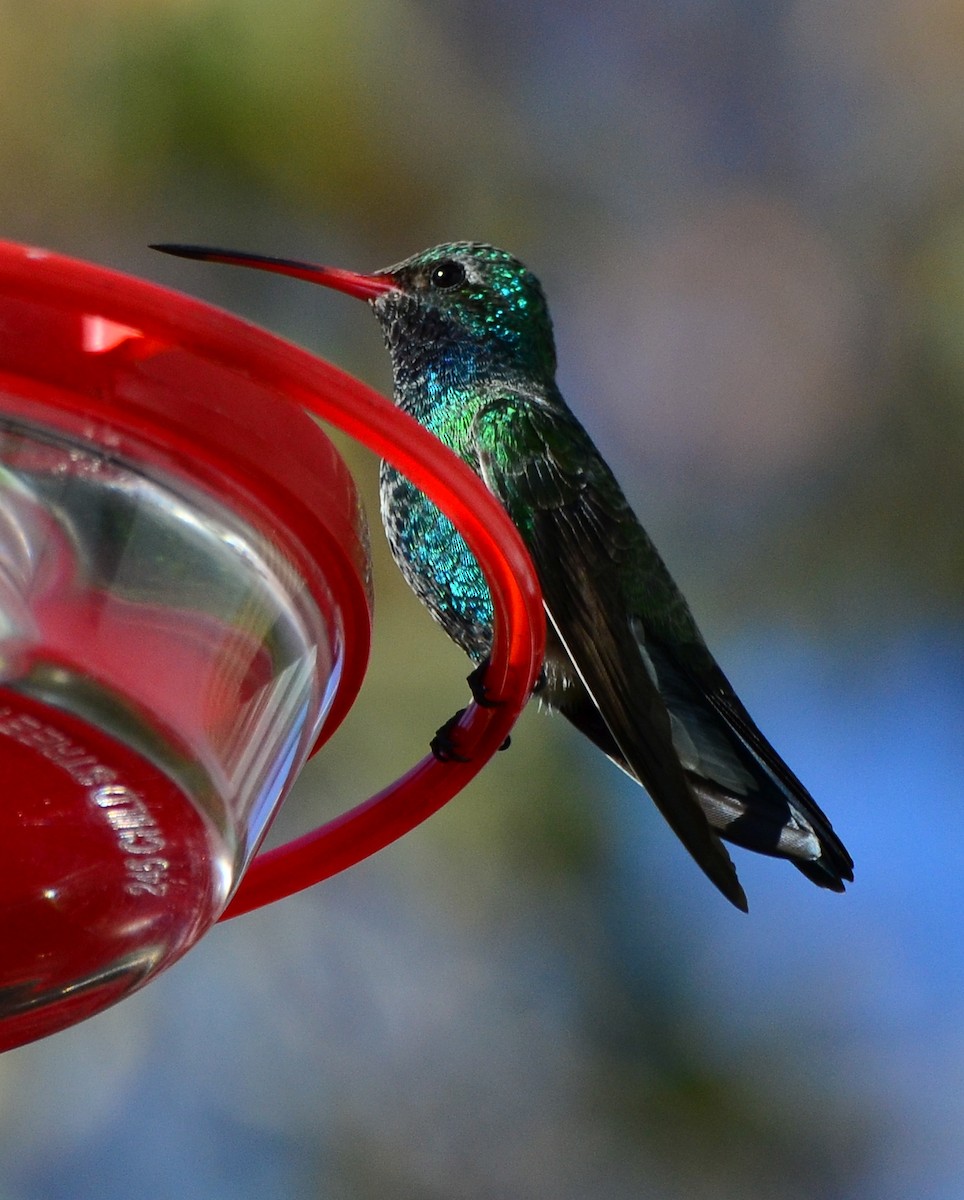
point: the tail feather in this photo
(748, 793)
(757, 822)
(767, 816)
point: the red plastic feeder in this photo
(184, 617)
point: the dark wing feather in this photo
(542, 466)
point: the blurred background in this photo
(749, 219)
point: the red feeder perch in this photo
(184, 618)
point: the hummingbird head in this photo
(459, 311)
(470, 307)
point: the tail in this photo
(767, 821)
(748, 794)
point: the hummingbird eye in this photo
(447, 274)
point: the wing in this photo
(540, 463)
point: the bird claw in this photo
(480, 693)
(443, 745)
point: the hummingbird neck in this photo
(428, 385)
(442, 357)
(436, 371)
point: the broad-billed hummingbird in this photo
(474, 361)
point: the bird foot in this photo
(443, 745)
(480, 693)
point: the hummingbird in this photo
(474, 361)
